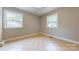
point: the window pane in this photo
(12, 19)
(52, 21)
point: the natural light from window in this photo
(52, 21)
(12, 19)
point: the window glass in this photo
(52, 21)
(12, 19)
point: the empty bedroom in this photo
(39, 28)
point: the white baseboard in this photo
(20, 37)
(68, 40)
(24, 36)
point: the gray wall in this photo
(68, 23)
(0, 24)
(31, 25)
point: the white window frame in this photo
(4, 16)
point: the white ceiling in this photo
(38, 10)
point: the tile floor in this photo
(40, 43)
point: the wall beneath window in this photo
(68, 23)
(31, 25)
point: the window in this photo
(12, 19)
(52, 21)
